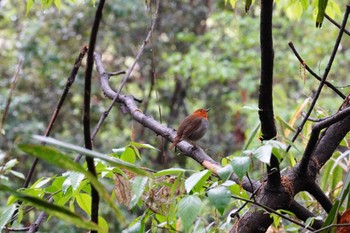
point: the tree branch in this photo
(266, 115)
(86, 118)
(336, 24)
(320, 196)
(139, 53)
(196, 153)
(341, 117)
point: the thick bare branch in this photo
(266, 115)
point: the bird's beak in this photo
(207, 110)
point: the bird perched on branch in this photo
(193, 127)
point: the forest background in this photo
(201, 54)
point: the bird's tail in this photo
(176, 141)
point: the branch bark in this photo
(95, 199)
(266, 115)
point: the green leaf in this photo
(248, 3)
(93, 154)
(54, 210)
(56, 158)
(219, 197)
(189, 208)
(252, 136)
(251, 108)
(46, 3)
(10, 164)
(237, 190)
(57, 4)
(128, 155)
(84, 202)
(333, 214)
(294, 10)
(196, 179)
(170, 171)
(143, 145)
(6, 215)
(305, 4)
(138, 186)
(118, 151)
(240, 165)
(17, 174)
(322, 4)
(40, 183)
(103, 223)
(225, 172)
(29, 5)
(264, 153)
(73, 180)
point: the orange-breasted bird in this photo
(193, 127)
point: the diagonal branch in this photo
(320, 196)
(196, 153)
(336, 24)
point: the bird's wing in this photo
(187, 131)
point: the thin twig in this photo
(336, 24)
(246, 203)
(116, 73)
(19, 229)
(328, 84)
(324, 77)
(9, 98)
(331, 226)
(252, 187)
(140, 52)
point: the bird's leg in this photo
(194, 145)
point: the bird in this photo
(193, 127)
